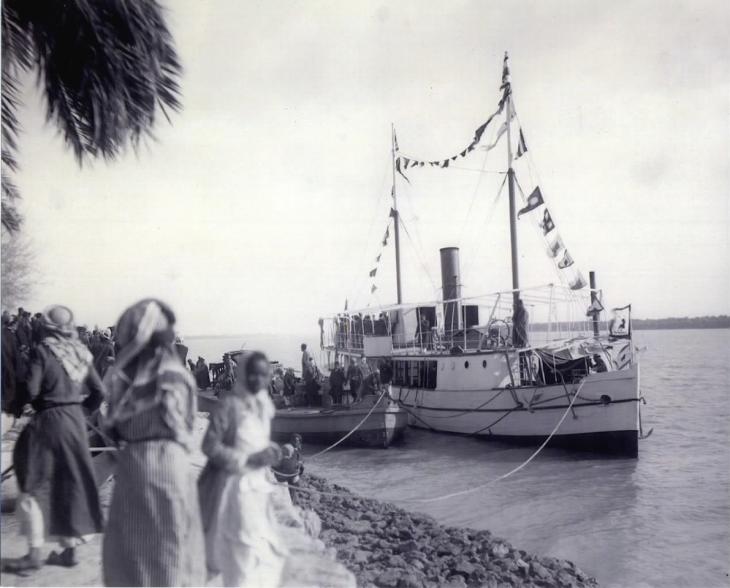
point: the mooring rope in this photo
(336, 443)
(479, 486)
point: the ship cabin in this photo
(469, 343)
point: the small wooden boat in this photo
(367, 423)
(371, 423)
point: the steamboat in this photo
(478, 365)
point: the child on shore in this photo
(240, 531)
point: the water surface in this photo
(660, 520)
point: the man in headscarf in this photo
(51, 457)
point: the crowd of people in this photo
(345, 385)
(162, 517)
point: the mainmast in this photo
(511, 182)
(396, 223)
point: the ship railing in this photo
(556, 313)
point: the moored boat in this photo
(372, 422)
(476, 365)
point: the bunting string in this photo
(404, 163)
(556, 249)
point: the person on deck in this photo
(241, 541)
(371, 385)
(202, 374)
(520, 319)
(354, 377)
(337, 383)
(58, 495)
(154, 533)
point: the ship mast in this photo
(396, 223)
(511, 183)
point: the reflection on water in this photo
(661, 520)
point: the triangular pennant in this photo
(373, 272)
(373, 288)
(463, 153)
(393, 213)
(521, 145)
(385, 238)
(555, 247)
(377, 259)
(534, 200)
(547, 223)
(578, 283)
(445, 163)
(567, 260)
(595, 308)
(398, 169)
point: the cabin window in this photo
(415, 374)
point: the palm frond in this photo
(104, 67)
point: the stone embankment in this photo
(390, 547)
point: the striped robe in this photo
(154, 535)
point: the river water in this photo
(660, 520)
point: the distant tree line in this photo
(698, 322)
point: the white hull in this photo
(605, 415)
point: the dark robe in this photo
(51, 457)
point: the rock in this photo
(456, 581)
(356, 527)
(464, 568)
(522, 566)
(361, 556)
(407, 546)
(388, 579)
(396, 561)
(540, 571)
(500, 550)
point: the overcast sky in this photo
(262, 206)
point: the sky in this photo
(263, 205)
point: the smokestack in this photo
(451, 283)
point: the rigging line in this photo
(356, 280)
(415, 249)
(473, 197)
(490, 216)
(468, 410)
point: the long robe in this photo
(238, 519)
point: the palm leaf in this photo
(105, 68)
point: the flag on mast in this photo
(534, 200)
(547, 223)
(567, 261)
(373, 272)
(521, 145)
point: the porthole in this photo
(484, 363)
(466, 364)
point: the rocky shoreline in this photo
(386, 546)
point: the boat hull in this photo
(380, 429)
(604, 418)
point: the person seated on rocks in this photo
(287, 471)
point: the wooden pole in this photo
(396, 226)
